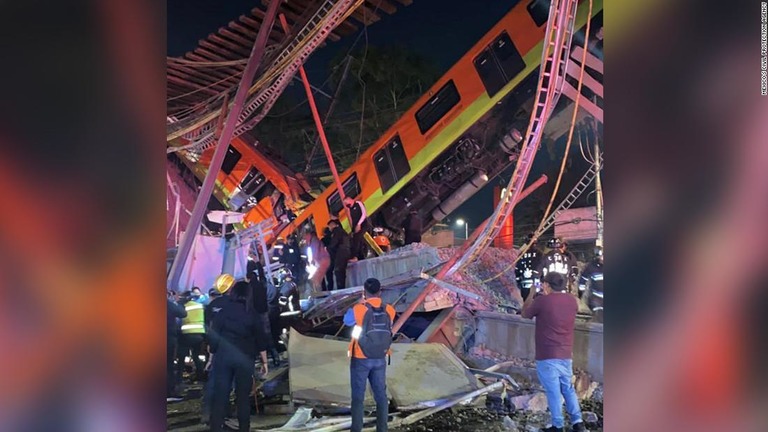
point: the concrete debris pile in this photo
(501, 291)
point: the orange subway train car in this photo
(464, 131)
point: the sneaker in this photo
(552, 429)
(579, 427)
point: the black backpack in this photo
(376, 337)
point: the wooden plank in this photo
(254, 25)
(383, 5)
(220, 50)
(223, 85)
(230, 45)
(237, 37)
(190, 85)
(366, 18)
(219, 72)
(405, 2)
(276, 32)
(195, 81)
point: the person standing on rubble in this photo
(219, 297)
(555, 312)
(558, 260)
(412, 228)
(174, 311)
(192, 334)
(371, 322)
(526, 272)
(236, 339)
(360, 226)
(318, 259)
(326, 240)
(340, 251)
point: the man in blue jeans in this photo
(555, 313)
(371, 368)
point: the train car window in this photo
(351, 189)
(391, 163)
(230, 160)
(509, 58)
(539, 11)
(383, 169)
(489, 71)
(400, 165)
(437, 107)
(498, 64)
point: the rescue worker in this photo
(259, 291)
(526, 270)
(360, 226)
(592, 279)
(222, 287)
(192, 334)
(288, 294)
(339, 249)
(293, 258)
(236, 339)
(273, 300)
(174, 311)
(374, 337)
(412, 227)
(318, 260)
(558, 260)
(381, 240)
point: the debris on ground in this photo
(502, 290)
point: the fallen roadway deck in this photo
(419, 376)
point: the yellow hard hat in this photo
(224, 282)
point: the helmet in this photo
(224, 282)
(283, 275)
(555, 243)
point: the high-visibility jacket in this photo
(194, 322)
(355, 316)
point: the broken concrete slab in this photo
(399, 261)
(420, 375)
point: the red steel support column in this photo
(319, 125)
(201, 204)
(441, 274)
(505, 239)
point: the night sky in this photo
(439, 30)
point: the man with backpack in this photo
(371, 322)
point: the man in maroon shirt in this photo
(555, 314)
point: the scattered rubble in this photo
(502, 291)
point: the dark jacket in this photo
(174, 312)
(358, 212)
(259, 292)
(412, 227)
(213, 308)
(237, 331)
(339, 244)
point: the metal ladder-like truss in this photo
(576, 192)
(256, 236)
(555, 52)
(329, 15)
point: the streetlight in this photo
(461, 222)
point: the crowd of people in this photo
(235, 327)
(587, 283)
(225, 333)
